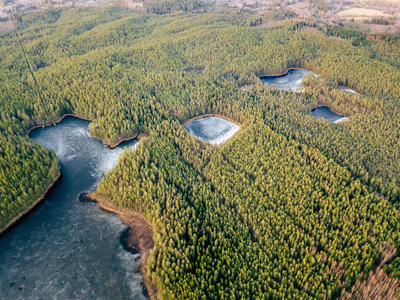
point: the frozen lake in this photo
(69, 249)
(214, 130)
(290, 81)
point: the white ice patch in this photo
(109, 159)
(341, 120)
(248, 88)
(214, 130)
(130, 266)
(226, 136)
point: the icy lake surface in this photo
(214, 130)
(326, 113)
(69, 249)
(291, 80)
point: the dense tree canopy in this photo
(263, 216)
(291, 207)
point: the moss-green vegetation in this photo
(291, 207)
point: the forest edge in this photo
(15, 221)
(22, 216)
(285, 73)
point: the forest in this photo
(291, 207)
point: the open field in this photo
(373, 16)
(369, 16)
(9, 7)
(361, 14)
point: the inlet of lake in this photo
(214, 130)
(68, 249)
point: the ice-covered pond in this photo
(214, 130)
(326, 113)
(349, 90)
(289, 81)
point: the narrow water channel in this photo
(69, 249)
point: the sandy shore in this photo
(139, 239)
(22, 216)
(137, 135)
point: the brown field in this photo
(361, 14)
(381, 1)
(6, 26)
(301, 9)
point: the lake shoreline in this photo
(314, 107)
(25, 214)
(343, 119)
(184, 123)
(140, 240)
(137, 135)
(285, 73)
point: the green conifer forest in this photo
(291, 207)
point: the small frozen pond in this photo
(214, 130)
(326, 113)
(289, 81)
(348, 90)
(247, 88)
